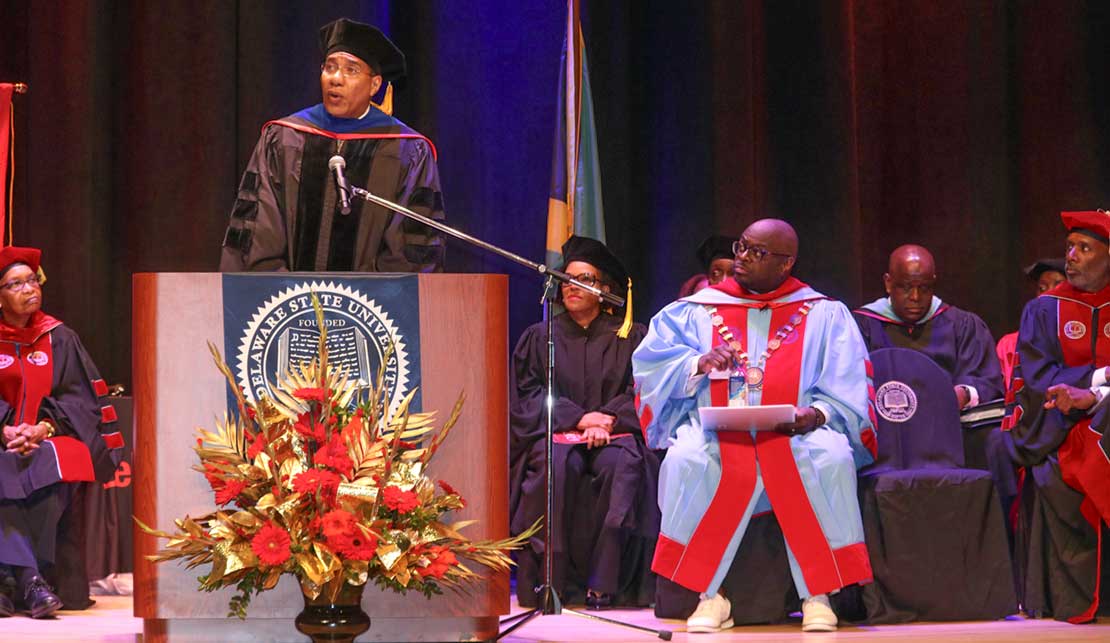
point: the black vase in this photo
(339, 621)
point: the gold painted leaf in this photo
(246, 519)
(389, 554)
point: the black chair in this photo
(935, 529)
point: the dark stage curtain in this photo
(964, 125)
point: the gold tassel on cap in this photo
(387, 101)
(626, 327)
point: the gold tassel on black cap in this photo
(386, 105)
(626, 327)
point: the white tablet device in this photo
(745, 418)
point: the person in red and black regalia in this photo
(57, 429)
(287, 217)
(1063, 349)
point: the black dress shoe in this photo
(598, 601)
(7, 608)
(38, 600)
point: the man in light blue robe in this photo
(783, 343)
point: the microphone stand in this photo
(549, 602)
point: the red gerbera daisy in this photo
(354, 544)
(334, 455)
(271, 544)
(398, 500)
(314, 480)
(230, 491)
(337, 521)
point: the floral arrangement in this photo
(325, 483)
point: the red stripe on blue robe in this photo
(694, 564)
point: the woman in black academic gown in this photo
(606, 517)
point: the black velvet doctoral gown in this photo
(286, 215)
(606, 513)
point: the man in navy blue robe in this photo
(912, 316)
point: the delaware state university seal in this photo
(895, 401)
(284, 332)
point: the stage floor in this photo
(111, 621)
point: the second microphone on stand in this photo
(336, 164)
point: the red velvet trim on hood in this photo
(39, 324)
(1064, 290)
(734, 289)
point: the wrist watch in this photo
(50, 430)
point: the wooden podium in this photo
(463, 348)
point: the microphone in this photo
(336, 164)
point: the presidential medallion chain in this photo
(753, 374)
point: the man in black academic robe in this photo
(606, 515)
(287, 215)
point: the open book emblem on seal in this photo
(895, 401)
(283, 333)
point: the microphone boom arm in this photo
(558, 275)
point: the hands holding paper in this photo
(596, 427)
(806, 419)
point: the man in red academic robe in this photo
(1063, 348)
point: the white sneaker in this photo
(817, 614)
(712, 615)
